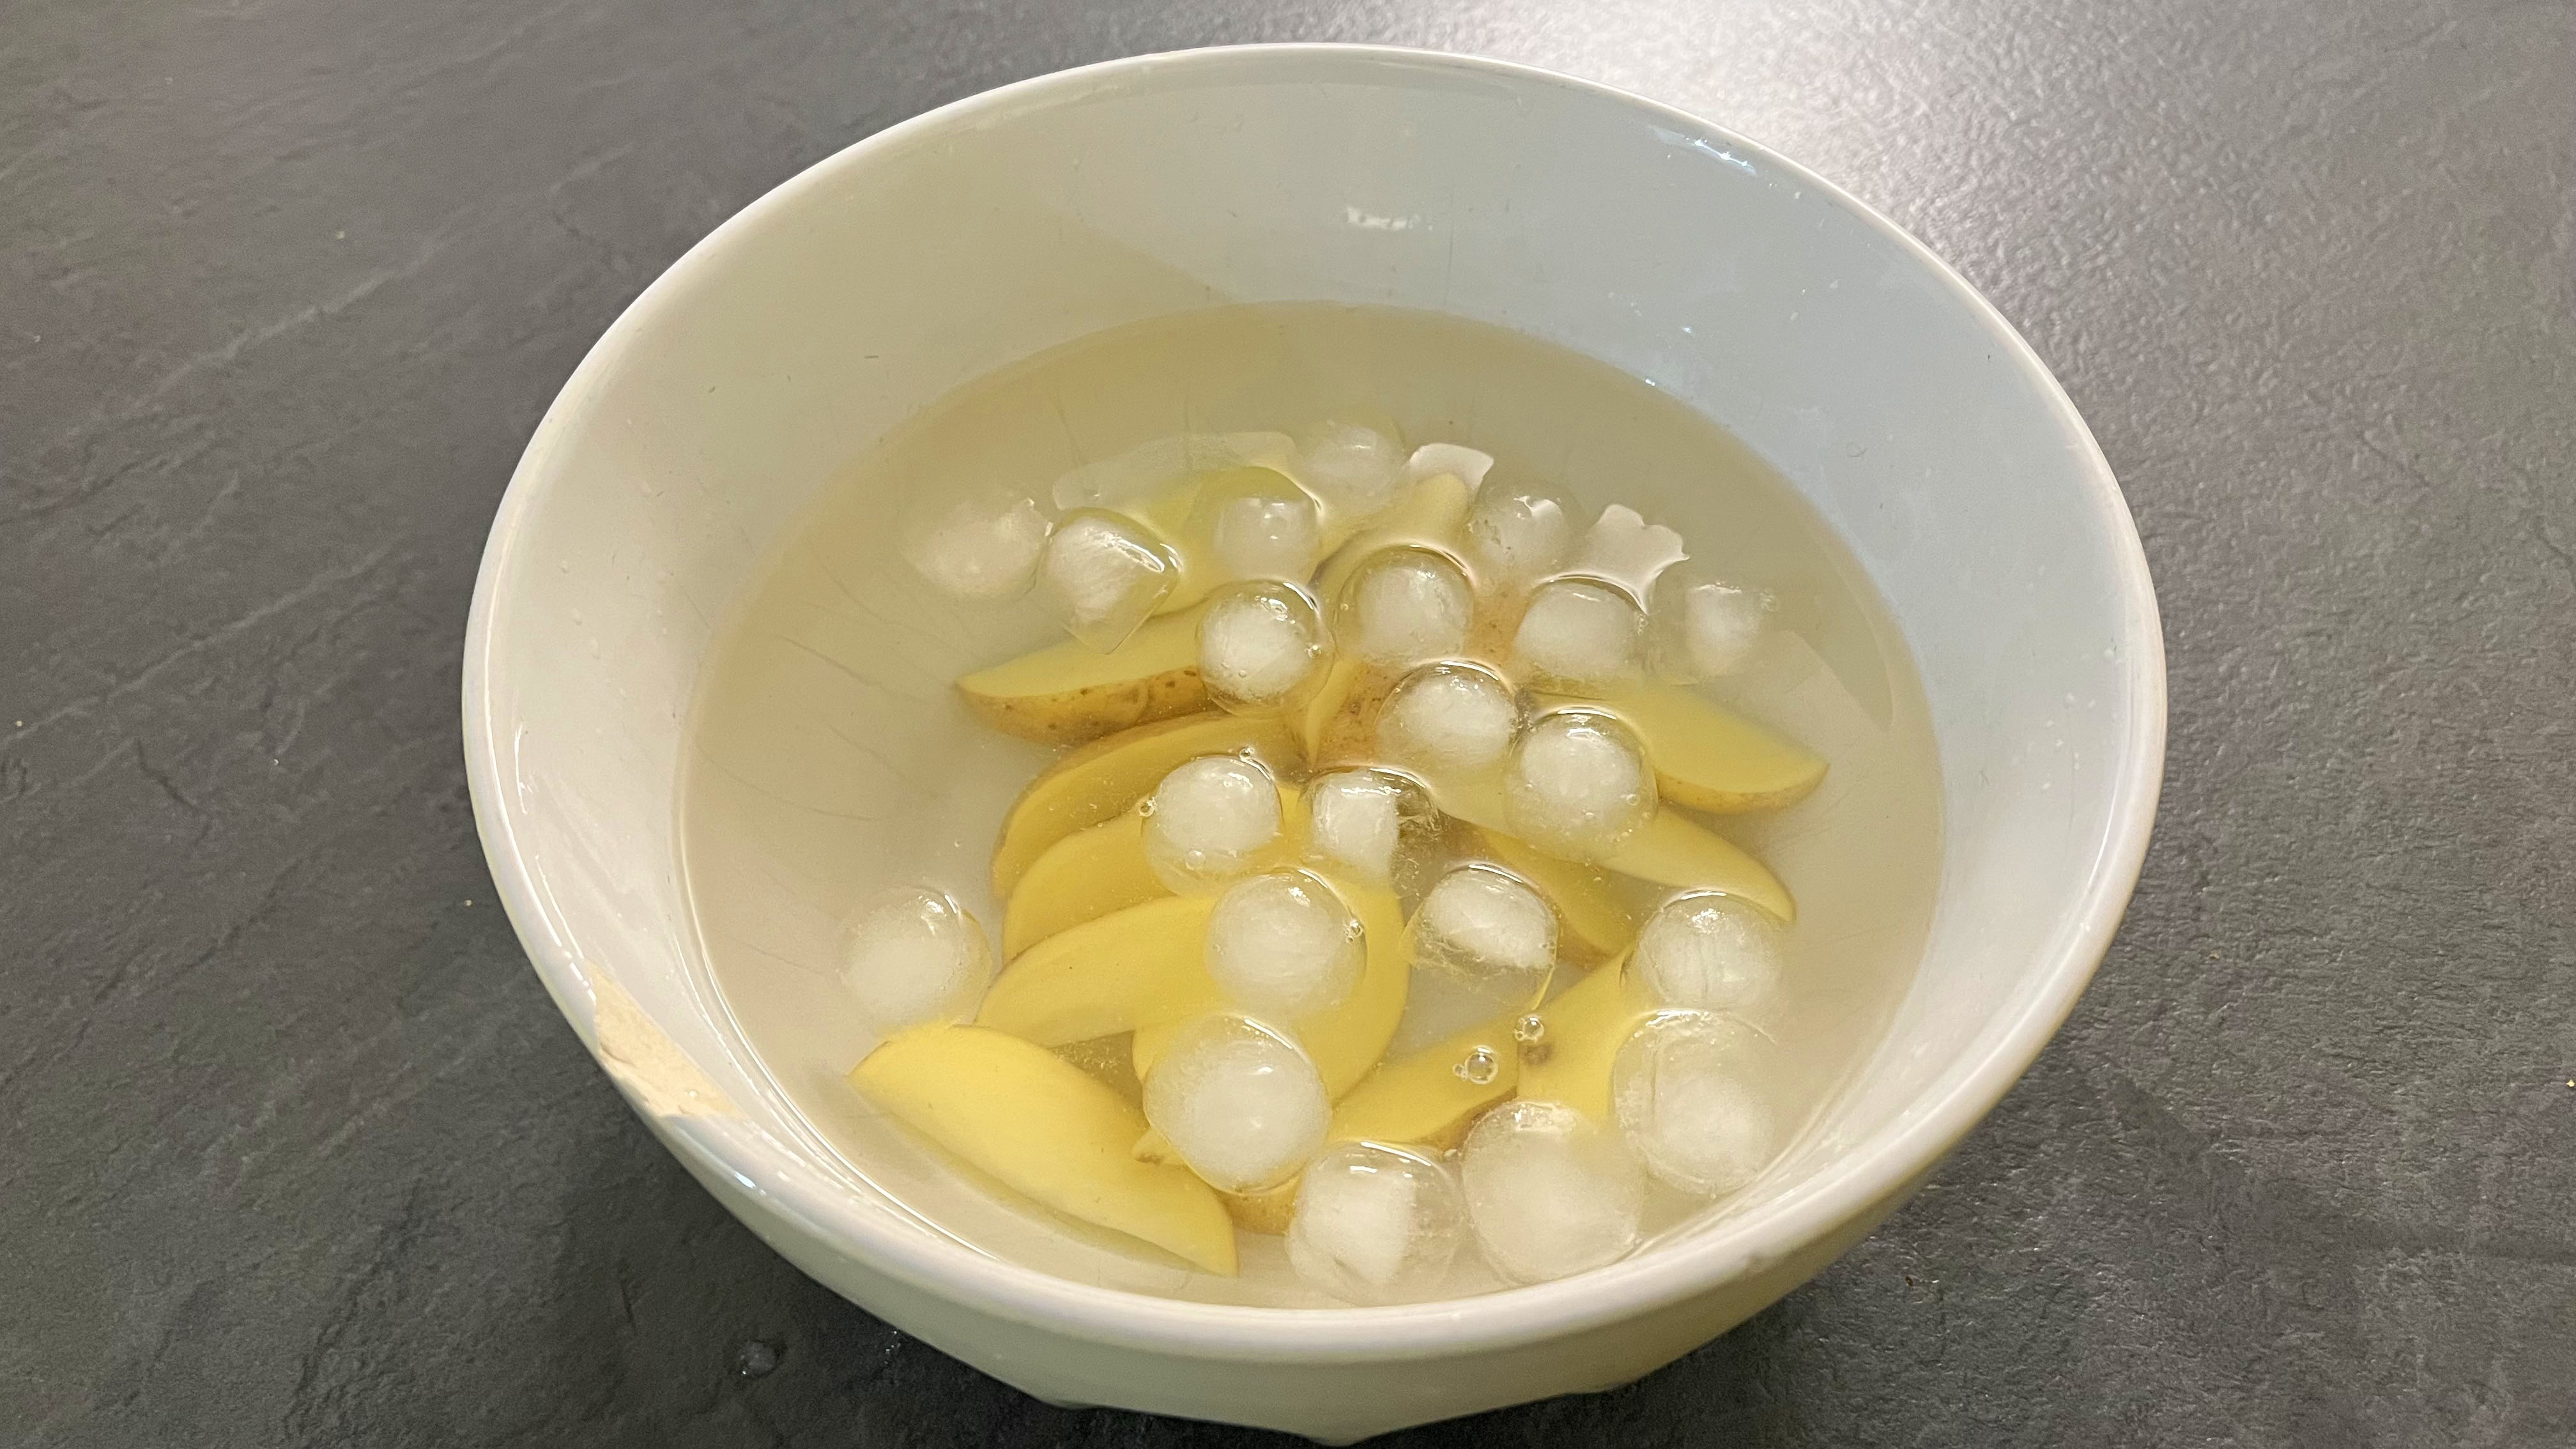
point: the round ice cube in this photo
(1709, 952)
(1480, 923)
(1240, 1103)
(1578, 784)
(1357, 470)
(1359, 822)
(1284, 945)
(1405, 605)
(1375, 1224)
(1208, 819)
(1517, 536)
(1102, 576)
(1448, 721)
(1260, 645)
(982, 547)
(1549, 1191)
(1690, 1092)
(1700, 627)
(913, 955)
(1578, 635)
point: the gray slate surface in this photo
(294, 1151)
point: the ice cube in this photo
(1240, 1103)
(1624, 548)
(1482, 924)
(1369, 824)
(1549, 1192)
(1283, 945)
(1578, 784)
(1452, 460)
(1102, 576)
(1260, 645)
(1701, 627)
(1208, 820)
(1405, 605)
(1355, 469)
(1708, 952)
(1449, 721)
(981, 547)
(1375, 1224)
(912, 956)
(1578, 635)
(1517, 536)
(1690, 1091)
(1259, 525)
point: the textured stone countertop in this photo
(294, 1150)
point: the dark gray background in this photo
(293, 1149)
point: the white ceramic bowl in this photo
(1894, 398)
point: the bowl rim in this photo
(1877, 1168)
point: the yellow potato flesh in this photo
(1708, 757)
(1114, 974)
(1671, 850)
(1581, 1034)
(1088, 874)
(1422, 1098)
(1105, 777)
(1069, 693)
(1047, 1130)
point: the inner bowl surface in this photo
(1892, 397)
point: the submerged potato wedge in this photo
(1427, 517)
(1069, 694)
(1084, 876)
(1345, 1041)
(1580, 1036)
(1105, 976)
(1587, 901)
(1422, 1098)
(1708, 757)
(1339, 724)
(1105, 777)
(1039, 1124)
(1672, 850)
(1677, 851)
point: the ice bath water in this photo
(834, 765)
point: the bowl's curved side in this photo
(538, 840)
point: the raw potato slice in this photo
(1675, 851)
(1115, 974)
(1025, 1116)
(1109, 775)
(1579, 1039)
(1067, 694)
(1082, 877)
(1422, 1099)
(1587, 901)
(1345, 1041)
(1672, 850)
(1708, 757)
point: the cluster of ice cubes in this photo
(1239, 1101)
